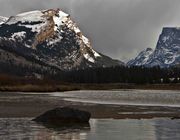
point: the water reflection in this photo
(155, 129)
(166, 130)
(25, 129)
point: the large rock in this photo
(64, 116)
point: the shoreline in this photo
(73, 87)
(16, 105)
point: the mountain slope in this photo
(52, 38)
(3, 19)
(142, 58)
(167, 51)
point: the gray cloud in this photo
(118, 28)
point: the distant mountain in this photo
(142, 58)
(166, 53)
(3, 19)
(47, 39)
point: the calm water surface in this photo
(125, 97)
(155, 129)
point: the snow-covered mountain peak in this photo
(52, 20)
(52, 37)
(166, 53)
(46, 19)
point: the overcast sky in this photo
(118, 28)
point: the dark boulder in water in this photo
(63, 116)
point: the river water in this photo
(154, 129)
(125, 97)
(103, 129)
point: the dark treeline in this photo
(138, 75)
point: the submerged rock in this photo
(63, 116)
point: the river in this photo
(124, 97)
(103, 129)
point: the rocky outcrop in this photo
(63, 116)
(48, 30)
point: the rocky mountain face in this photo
(166, 53)
(3, 19)
(48, 39)
(142, 58)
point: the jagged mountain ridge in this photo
(166, 53)
(52, 38)
(3, 19)
(142, 58)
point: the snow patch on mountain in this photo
(54, 41)
(96, 55)
(89, 58)
(165, 38)
(18, 34)
(33, 16)
(60, 19)
(28, 19)
(36, 28)
(86, 41)
(3, 19)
